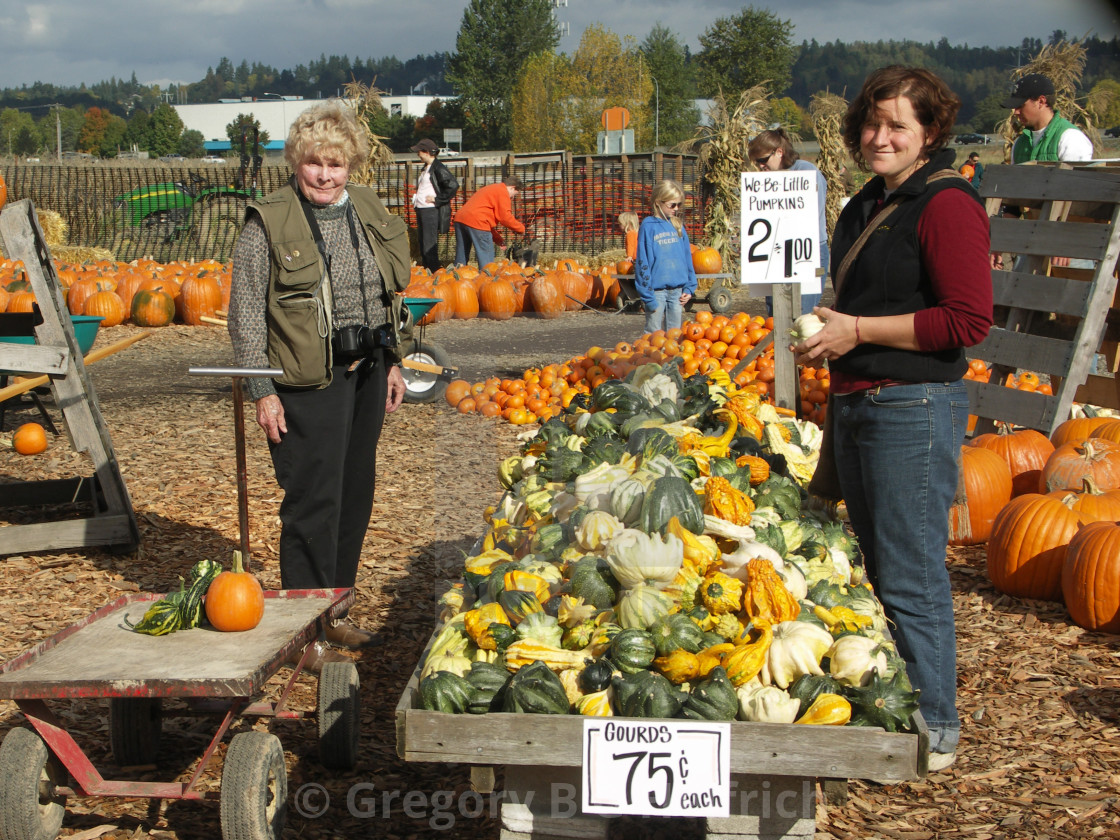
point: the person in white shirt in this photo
(435, 188)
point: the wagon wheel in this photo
(719, 298)
(420, 385)
(254, 798)
(339, 708)
(29, 807)
(135, 725)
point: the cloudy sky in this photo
(68, 42)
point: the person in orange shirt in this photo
(628, 224)
(477, 219)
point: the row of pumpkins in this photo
(504, 288)
(1049, 511)
(145, 292)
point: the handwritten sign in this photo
(780, 229)
(662, 768)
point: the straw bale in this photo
(56, 230)
(77, 254)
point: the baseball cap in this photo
(1031, 86)
(426, 145)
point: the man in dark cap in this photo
(1046, 135)
(435, 188)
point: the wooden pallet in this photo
(1050, 320)
(113, 522)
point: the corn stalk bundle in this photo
(366, 102)
(1063, 64)
(721, 148)
(827, 112)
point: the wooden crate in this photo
(1051, 320)
(542, 752)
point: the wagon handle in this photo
(239, 439)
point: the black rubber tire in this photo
(420, 386)
(29, 807)
(254, 797)
(135, 726)
(719, 298)
(339, 714)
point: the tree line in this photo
(506, 86)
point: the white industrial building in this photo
(275, 115)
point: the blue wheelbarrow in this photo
(425, 365)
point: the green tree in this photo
(70, 120)
(789, 115)
(114, 137)
(18, 132)
(136, 134)
(164, 131)
(675, 114)
(539, 98)
(989, 113)
(1104, 103)
(495, 39)
(192, 144)
(745, 50)
(246, 123)
(607, 72)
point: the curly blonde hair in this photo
(329, 127)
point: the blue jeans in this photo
(897, 454)
(482, 240)
(668, 313)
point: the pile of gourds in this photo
(654, 555)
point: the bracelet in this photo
(858, 339)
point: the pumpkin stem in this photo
(238, 566)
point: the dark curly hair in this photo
(935, 106)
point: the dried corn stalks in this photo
(827, 111)
(1063, 64)
(366, 101)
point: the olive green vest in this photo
(299, 297)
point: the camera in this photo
(360, 340)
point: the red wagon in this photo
(214, 672)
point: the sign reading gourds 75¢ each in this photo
(780, 222)
(663, 768)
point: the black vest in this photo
(888, 277)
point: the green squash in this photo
(885, 703)
(626, 500)
(667, 497)
(650, 442)
(443, 691)
(632, 650)
(559, 463)
(548, 540)
(596, 676)
(619, 396)
(713, 698)
(607, 449)
(600, 423)
(647, 695)
(518, 604)
(808, 687)
(487, 680)
(676, 632)
(590, 578)
(535, 690)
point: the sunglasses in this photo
(672, 205)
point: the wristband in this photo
(858, 339)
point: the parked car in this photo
(1112, 132)
(213, 159)
(173, 158)
(963, 139)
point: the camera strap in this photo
(320, 243)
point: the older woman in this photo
(772, 151)
(913, 288)
(315, 272)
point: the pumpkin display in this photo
(1091, 577)
(1027, 546)
(1071, 463)
(706, 260)
(107, 306)
(235, 600)
(1025, 451)
(152, 308)
(198, 297)
(79, 292)
(29, 439)
(987, 485)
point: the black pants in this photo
(427, 222)
(326, 464)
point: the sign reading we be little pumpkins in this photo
(780, 227)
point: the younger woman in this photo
(663, 273)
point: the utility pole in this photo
(58, 129)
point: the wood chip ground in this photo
(1039, 697)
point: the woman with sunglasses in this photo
(663, 273)
(772, 151)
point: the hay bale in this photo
(56, 230)
(79, 254)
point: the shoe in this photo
(940, 760)
(344, 634)
(319, 655)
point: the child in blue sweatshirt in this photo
(663, 272)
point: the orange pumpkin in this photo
(456, 390)
(1076, 428)
(1025, 452)
(497, 299)
(29, 439)
(152, 308)
(545, 297)
(1071, 463)
(235, 600)
(987, 488)
(706, 260)
(1091, 504)
(1091, 577)
(198, 297)
(1027, 546)
(106, 305)
(3, 191)
(21, 302)
(79, 292)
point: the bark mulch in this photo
(1040, 752)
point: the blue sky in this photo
(72, 41)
